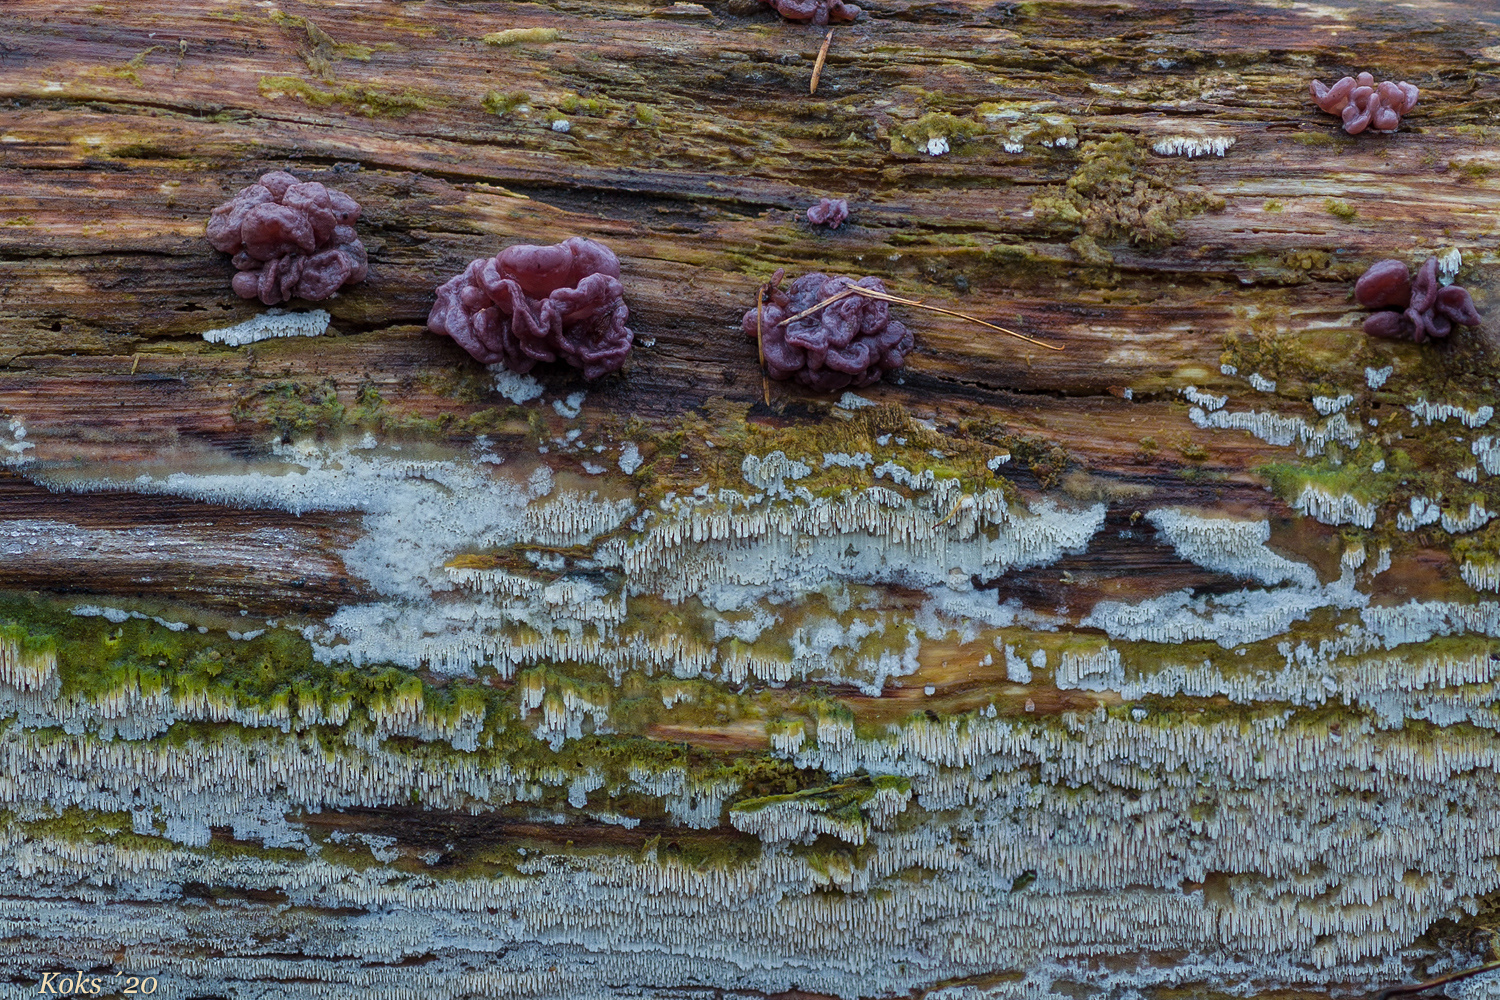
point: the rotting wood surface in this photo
(1178, 669)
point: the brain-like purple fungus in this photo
(814, 11)
(1427, 309)
(1362, 104)
(851, 342)
(530, 303)
(830, 212)
(290, 239)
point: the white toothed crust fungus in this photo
(1427, 412)
(1487, 450)
(1334, 509)
(1331, 404)
(1274, 428)
(1010, 834)
(270, 324)
(1228, 545)
(1192, 146)
(513, 386)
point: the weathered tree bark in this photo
(342, 666)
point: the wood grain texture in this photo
(488, 741)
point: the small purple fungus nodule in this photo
(1364, 104)
(814, 11)
(850, 342)
(533, 303)
(290, 239)
(830, 212)
(1427, 309)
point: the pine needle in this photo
(1393, 991)
(871, 293)
(818, 66)
(760, 347)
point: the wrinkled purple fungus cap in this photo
(830, 212)
(1362, 104)
(290, 239)
(851, 342)
(530, 303)
(814, 11)
(1428, 310)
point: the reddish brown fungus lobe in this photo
(535, 303)
(290, 239)
(830, 212)
(851, 342)
(1427, 309)
(1362, 104)
(814, 11)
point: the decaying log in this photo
(341, 665)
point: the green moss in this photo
(1273, 206)
(88, 825)
(367, 101)
(1314, 139)
(131, 70)
(1470, 169)
(319, 50)
(1339, 209)
(515, 36)
(21, 220)
(497, 103)
(1117, 192)
(1091, 252)
(913, 138)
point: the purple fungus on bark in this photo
(535, 303)
(830, 212)
(1386, 283)
(289, 239)
(1428, 310)
(850, 342)
(814, 11)
(1362, 104)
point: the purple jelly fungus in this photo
(829, 212)
(1362, 104)
(1427, 310)
(530, 303)
(1386, 283)
(851, 342)
(814, 11)
(290, 239)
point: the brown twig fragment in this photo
(135, 364)
(818, 66)
(1396, 991)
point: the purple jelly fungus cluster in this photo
(1419, 310)
(1364, 105)
(814, 11)
(290, 239)
(830, 212)
(529, 304)
(851, 342)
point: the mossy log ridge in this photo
(340, 665)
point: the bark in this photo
(1151, 661)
